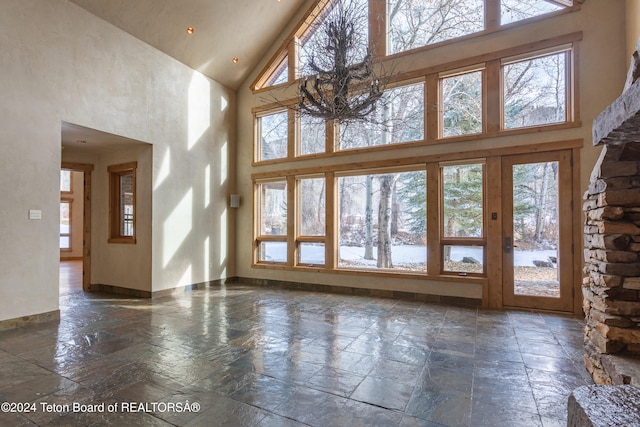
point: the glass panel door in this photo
(537, 231)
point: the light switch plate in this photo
(35, 214)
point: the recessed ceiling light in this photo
(190, 30)
(235, 60)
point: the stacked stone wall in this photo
(611, 285)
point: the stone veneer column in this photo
(611, 286)
(612, 271)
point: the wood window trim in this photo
(462, 241)
(491, 295)
(259, 237)
(378, 24)
(300, 238)
(115, 220)
(492, 127)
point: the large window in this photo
(311, 220)
(461, 104)
(382, 221)
(272, 221)
(410, 24)
(398, 118)
(492, 98)
(416, 23)
(273, 135)
(122, 202)
(463, 218)
(313, 134)
(535, 90)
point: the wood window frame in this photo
(568, 51)
(478, 68)
(491, 203)
(463, 241)
(301, 239)
(259, 237)
(489, 64)
(378, 35)
(116, 172)
(258, 115)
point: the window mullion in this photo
(432, 110)
(331, 236)
(292, 220)
(493, 96)
(491, 15)
(378, 28)
(433, 219)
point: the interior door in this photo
(537, 231)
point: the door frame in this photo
(86, 219)
(567, 225)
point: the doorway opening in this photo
(75, 227)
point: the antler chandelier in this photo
(344, 90)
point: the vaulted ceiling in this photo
(222, 30)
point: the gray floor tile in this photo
(271, 357)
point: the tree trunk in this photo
(368, 220)
(395, 209)
(384, 223)
(541, 202)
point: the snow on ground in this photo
(401, 254)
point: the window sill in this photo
(125, 240)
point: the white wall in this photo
(601, 74)
(60, 63)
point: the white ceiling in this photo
(77, 138)
(223, 30)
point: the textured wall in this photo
(60, 63)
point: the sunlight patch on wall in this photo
(186, 278)
(176, 227)
(224, 163)
(165, 169)
(199, 108)
(223, 103)
(207, 186)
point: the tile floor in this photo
(268, 357)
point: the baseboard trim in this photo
(188, 288)
(119, 290)
(137, 293)
(31, 319)
(299, 286)
(348, 290)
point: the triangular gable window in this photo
(518, 10)
(280, 74)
